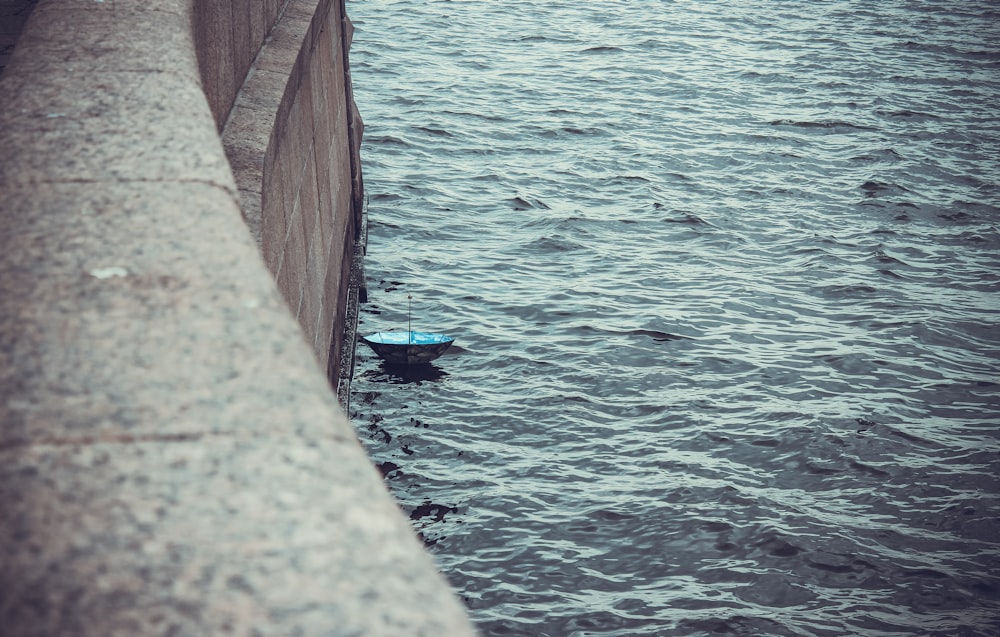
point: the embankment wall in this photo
(281, 95)
(172, 458)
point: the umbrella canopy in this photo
(408, 348)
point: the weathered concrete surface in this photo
(172, 460)
(229, 35)
(292, 141)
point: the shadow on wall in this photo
(13, 15)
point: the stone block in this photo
(295, 258)
(316, 270)
(288, 285)
(245, 137)
(283, 48)
(300, 120)
(337, 272)
(263, 91)
(68, 126)
(323, 98)
(91, 38)
(325, 323)
(305, 10)
(274, 214)
(237, 534)
(308, 196)
(324, 194)
(111, 300)
(250, 205)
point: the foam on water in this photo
(724, 282)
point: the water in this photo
(724, 282)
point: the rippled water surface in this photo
(723, 278)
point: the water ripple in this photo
(724, 281)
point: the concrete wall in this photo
(172, 459)
(293, 142)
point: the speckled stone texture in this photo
(172, 458)
(285, 140)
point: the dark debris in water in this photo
(875, 188)
(380, 435)
(432, 509)
(389, 467)
(864, 424)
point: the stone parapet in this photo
(292, 140)
(172, 458)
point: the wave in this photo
(825, 124)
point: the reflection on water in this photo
(401, 374)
